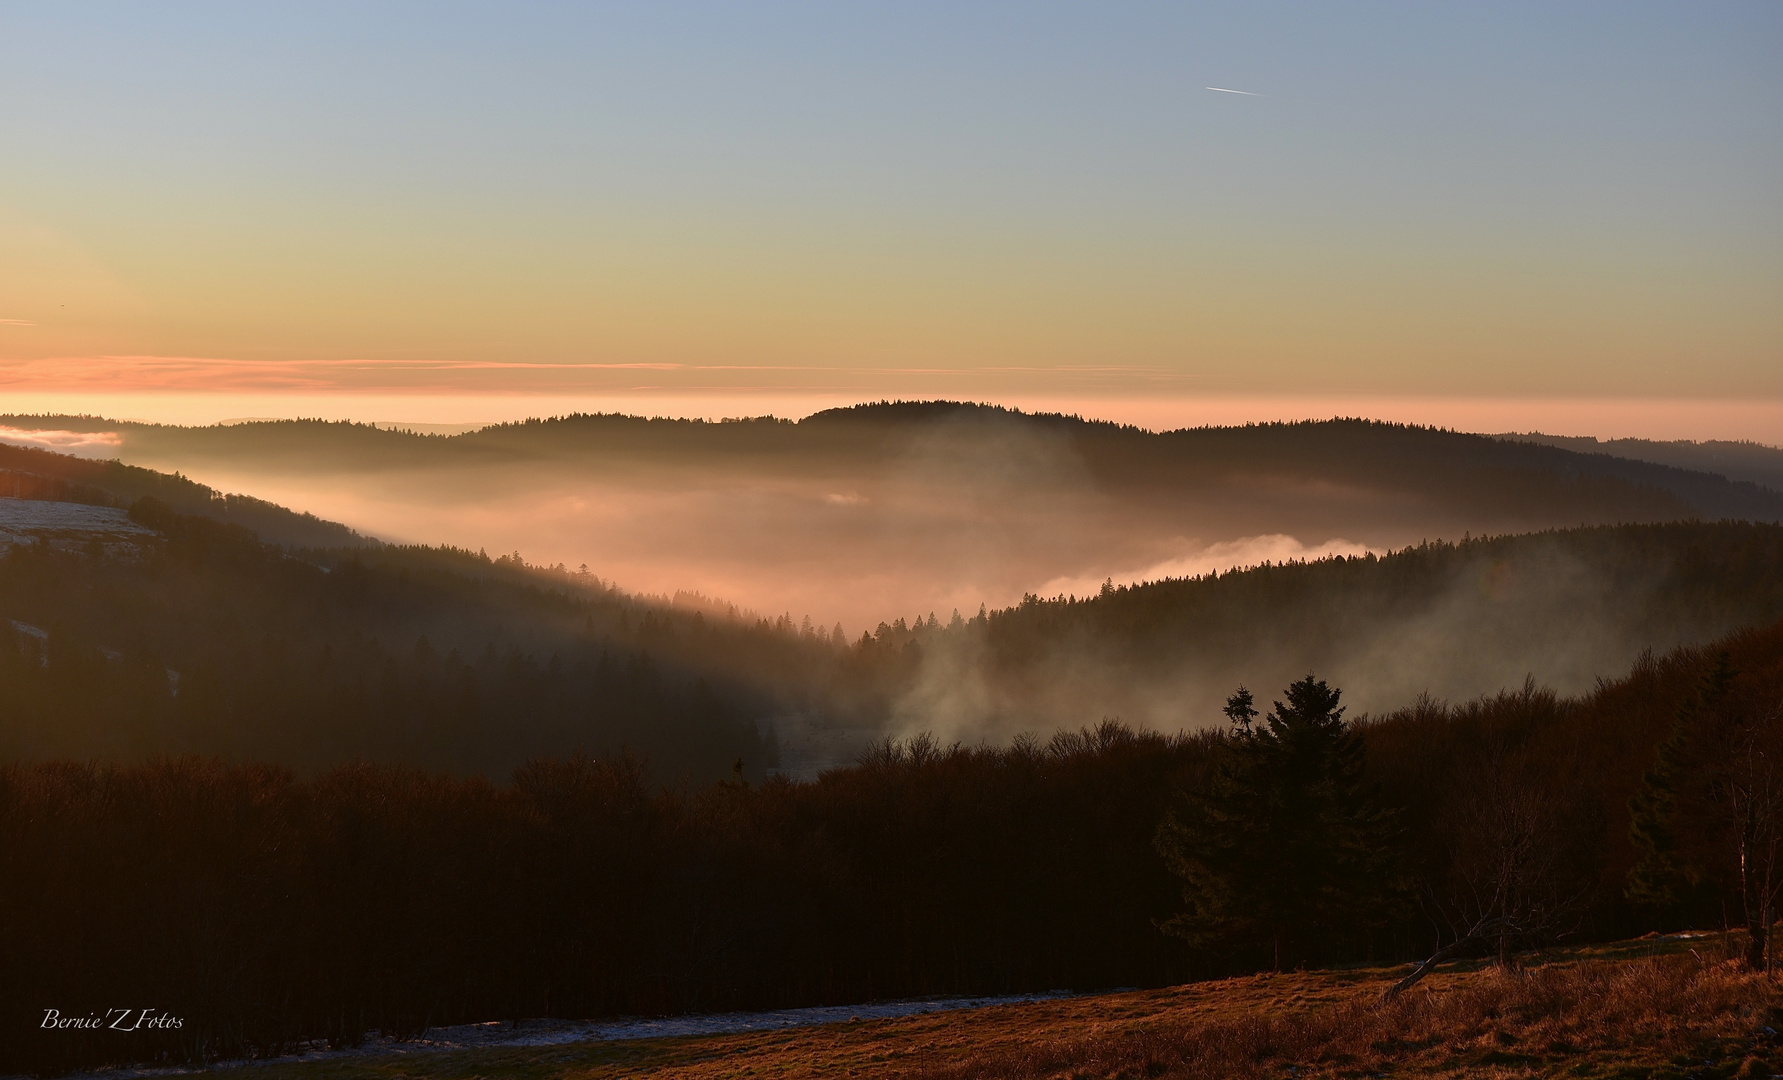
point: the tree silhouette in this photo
(1285, 839)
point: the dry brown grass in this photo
(1603, 1015)
(1659, 1016)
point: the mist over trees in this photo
(269, 908)
(1455, 619)
(207, 641)
(201, 638)
(894, 502)
(859, 514)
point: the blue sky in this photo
(1495, 199)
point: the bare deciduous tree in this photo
(1710, 811)
(1516, 875)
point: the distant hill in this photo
(855, 515)
(1528, 476)
(1749, 461)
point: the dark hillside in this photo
(209, 641)
(30, 473)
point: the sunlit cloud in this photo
(16, 322)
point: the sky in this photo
(1504, 216)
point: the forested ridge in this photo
(209, 641)
(265, 909)
(1475, 613)
(1671, 577)
(868, 513)
(1736, 460)
(1507, 479)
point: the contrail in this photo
(1223, 90)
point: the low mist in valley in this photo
(954, 514)
(982, 565)
(863, 515)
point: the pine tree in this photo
(1285, 839)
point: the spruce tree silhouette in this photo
(1285, 840)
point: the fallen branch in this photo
(1480, 931)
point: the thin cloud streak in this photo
(149, 373)
(1223, 90)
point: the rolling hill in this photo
(857, 515)
(183, 632)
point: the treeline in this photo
(265, 910)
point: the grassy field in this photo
(1639, 1009)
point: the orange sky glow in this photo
(474, 217)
